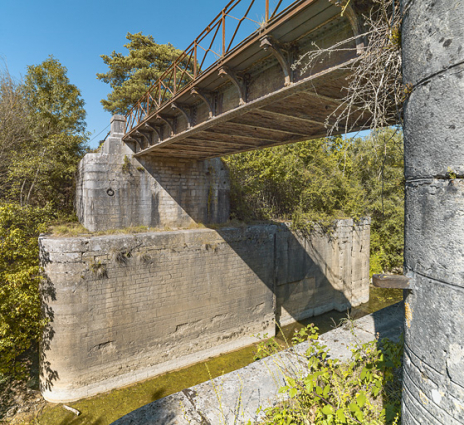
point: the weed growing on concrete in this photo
(266, 348)
(67, 229)
(145, 258)
(99, 269)
(122, 257)
(366, 390)
(126, 165)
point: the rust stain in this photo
(408, 314)
(423, 398)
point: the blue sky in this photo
(78, 32)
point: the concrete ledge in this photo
(241, 392)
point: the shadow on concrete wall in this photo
(303, 280)
(48, 294)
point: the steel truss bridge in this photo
(231, 91)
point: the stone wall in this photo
(115, 190)
(127, 307)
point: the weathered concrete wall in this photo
(127, 307)
(115, 190)
(321, 273)
(433, 64)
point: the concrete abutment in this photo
(116, 190)
(124, 308)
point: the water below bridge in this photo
(106, 408)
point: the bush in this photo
(21, 323)
(366, 390)
(319, 181)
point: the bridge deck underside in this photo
(278, 119)
(266, 105)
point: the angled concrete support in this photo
(154, 130)
(145, 137)
(169, 124)
(354, 11)
(205, 97)
(183, 110)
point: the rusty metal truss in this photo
(211, 46)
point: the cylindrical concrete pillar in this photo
(433, 67)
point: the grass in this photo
(73, 229)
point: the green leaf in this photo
(326, 391)
(283, 389)
(327, 409)
(361, 399)
(341, 416)
(363, 373)
(293, 392)
(353, 407)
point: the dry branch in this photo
(374, 89)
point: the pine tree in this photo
(132, 75)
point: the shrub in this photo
(20, 315)
(365, 390)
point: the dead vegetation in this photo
(374, 93)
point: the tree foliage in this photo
(132, 75)
(319, 181)
(42, 137)
(20, 316)
(302, 181)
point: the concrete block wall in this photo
(321, 272)
(124, 308)
(115, 190)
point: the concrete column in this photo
(433, 58)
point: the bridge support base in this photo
(116, 190)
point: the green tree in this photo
(42, 164)
(379, 167)
(42, 138)
(55, 105)
(14, 130)
(132, 75)
(307, 182)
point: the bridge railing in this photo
(223, 34)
